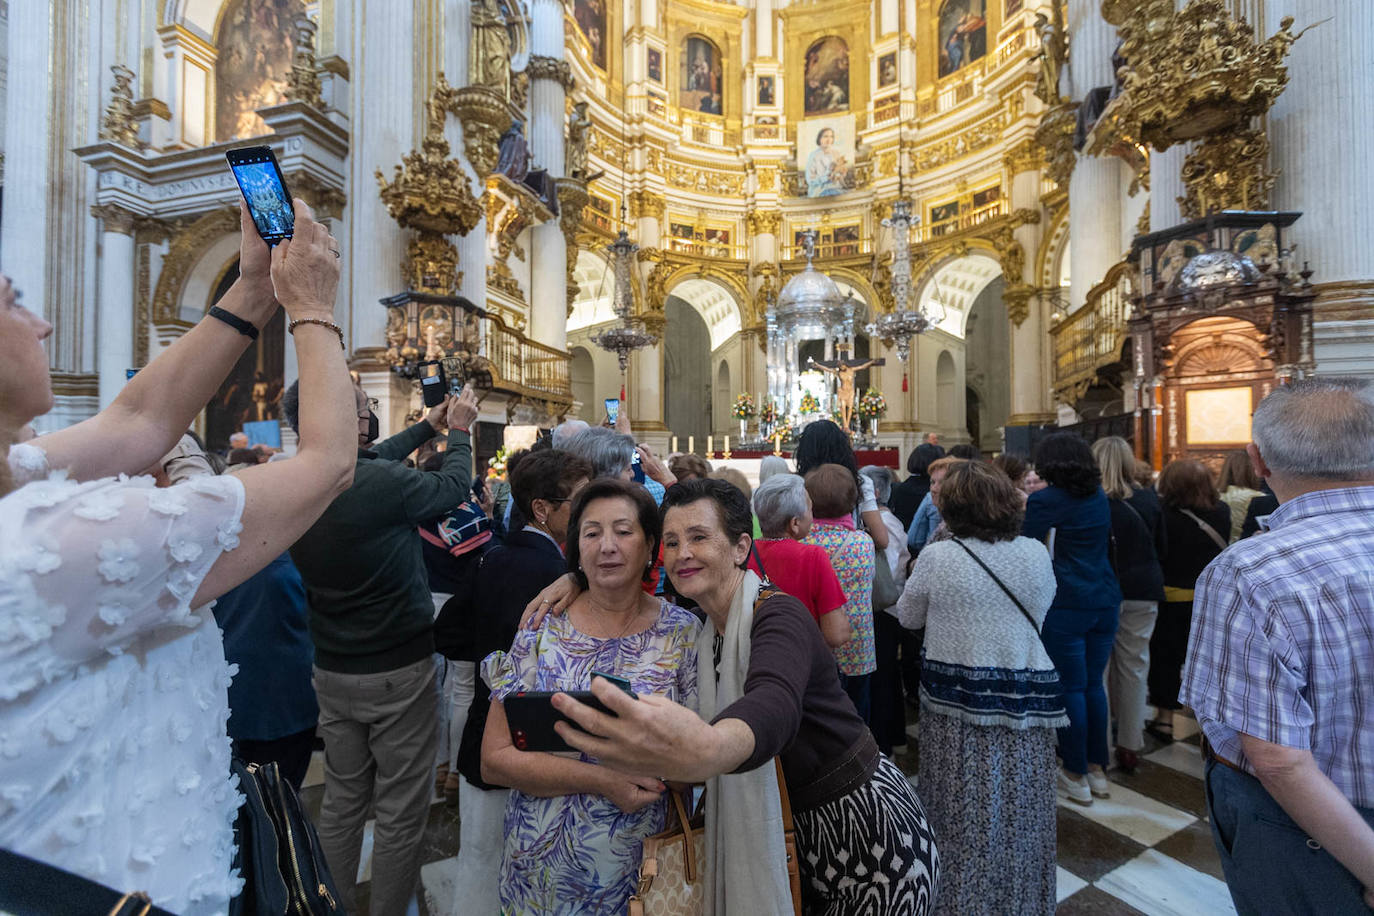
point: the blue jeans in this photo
(1272, 867)
(1080, 645)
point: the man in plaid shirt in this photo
(1280, 668)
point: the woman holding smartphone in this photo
(575, 830)
(114, 760)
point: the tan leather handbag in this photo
(669, 874)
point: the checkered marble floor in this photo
(1148, 849)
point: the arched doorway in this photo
(723, 397)
(947, 392)
(582, 373)
(252, 391)
(686, 372)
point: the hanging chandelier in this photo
(630, 335)
(897, 328)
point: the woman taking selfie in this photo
(768, 687)
(561, 804)
(115, 762)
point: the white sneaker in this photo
(1098, 785)
(1074, 788)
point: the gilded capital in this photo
(1017, 299)
(1026, 156)
(114, 218)
(551, 68)
(764, 222)
(646, 204)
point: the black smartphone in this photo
(260, 179)
(612, 409)
(620, 682)
(433, 388)
(530, 716)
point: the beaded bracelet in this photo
(291, 328)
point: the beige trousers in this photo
(379, 745)
(1127, 670)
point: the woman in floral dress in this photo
(575, 830)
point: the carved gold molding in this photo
(551, 68)
(764, 222)
(114, 218)
(645, 204)
(1025, 156)
(188, 245)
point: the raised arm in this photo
(160, 403)
(284, 498)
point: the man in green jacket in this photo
(371, 619)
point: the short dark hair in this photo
(823, 442)
(732, 506)
(1186, 484)
(966, 451)
(1065, 460)
(612, 488)
(546, 474)
(1237, 471)
(291, 406)
(980, 501)
(434, 462)
(244, 456)
(832, 491)
(921, 456)
(1014, 466)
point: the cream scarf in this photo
(746, 862)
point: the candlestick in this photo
(727, 443)
(691, 445)
(710, 446)
(673, 447)
(777, 444)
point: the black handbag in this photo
(279, 853)
(29, 887)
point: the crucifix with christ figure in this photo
(844, 370)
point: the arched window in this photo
(825, 77)
(963, 33)
(703, 75)
(256, 44)
(947, 392)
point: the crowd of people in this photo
(1037, 615)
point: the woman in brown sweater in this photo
(862, 839)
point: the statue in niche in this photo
(1054, 51)
(514, 161)
(490, 48)
(576, 154)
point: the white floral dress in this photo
(114, 760)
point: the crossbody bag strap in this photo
(1017, 601)
(1206, 529)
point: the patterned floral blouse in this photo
(851, 553)
(579, 854)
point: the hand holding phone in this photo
(264, 190)
(612, 410)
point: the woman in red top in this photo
(802, 570)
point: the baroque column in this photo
(1030, 368)
(383, 57)
(646, 367)
(550, 81)
(115, 312)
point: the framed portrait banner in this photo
(825, 151)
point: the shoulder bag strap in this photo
(1135, 512)
(1206, 529)
(1017, 601)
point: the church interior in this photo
(983, 219)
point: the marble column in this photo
(1166, 187)
(28, 149)
(548, 248)
(115, 312)
(383, 68)
(646, 400)
(1031, 370)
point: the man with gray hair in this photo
(1280, 662)
(567, 430)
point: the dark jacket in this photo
(1082, 529)
(508, 579)
(906, 497)
(370, 604)
(1191, 548)
(265, 634)
(1141, 540)
(1264, 504)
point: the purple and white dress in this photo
(579, 854)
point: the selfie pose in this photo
(114, 759)
(768, 688)
(575, 829)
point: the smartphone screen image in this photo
(269, 203)
(613, 409)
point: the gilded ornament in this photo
(1026, 156)
(978, 137)
(1055, 136)
(767, 179)
(1227, 173)
(489, 48)
(114, 218)
(188, 243)
(430, 191)
(551, 68)
(485, 116)
(575, 154)
(764, 222)
(646, 204)
(118, 125)
(704, 181)
(572, 197)
(303, 82)
(1054, 53)
(887, 164)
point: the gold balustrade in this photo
(969, 219)
(525, 366)
(1091, 337)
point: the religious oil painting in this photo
(826, 76)
(590, 16)
(963, 33)
(846, 239)
(654, 59)
(702, 70)
(255, 49)
(887, 69)
(825, 150)
(1219, 416)
(767, 94)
